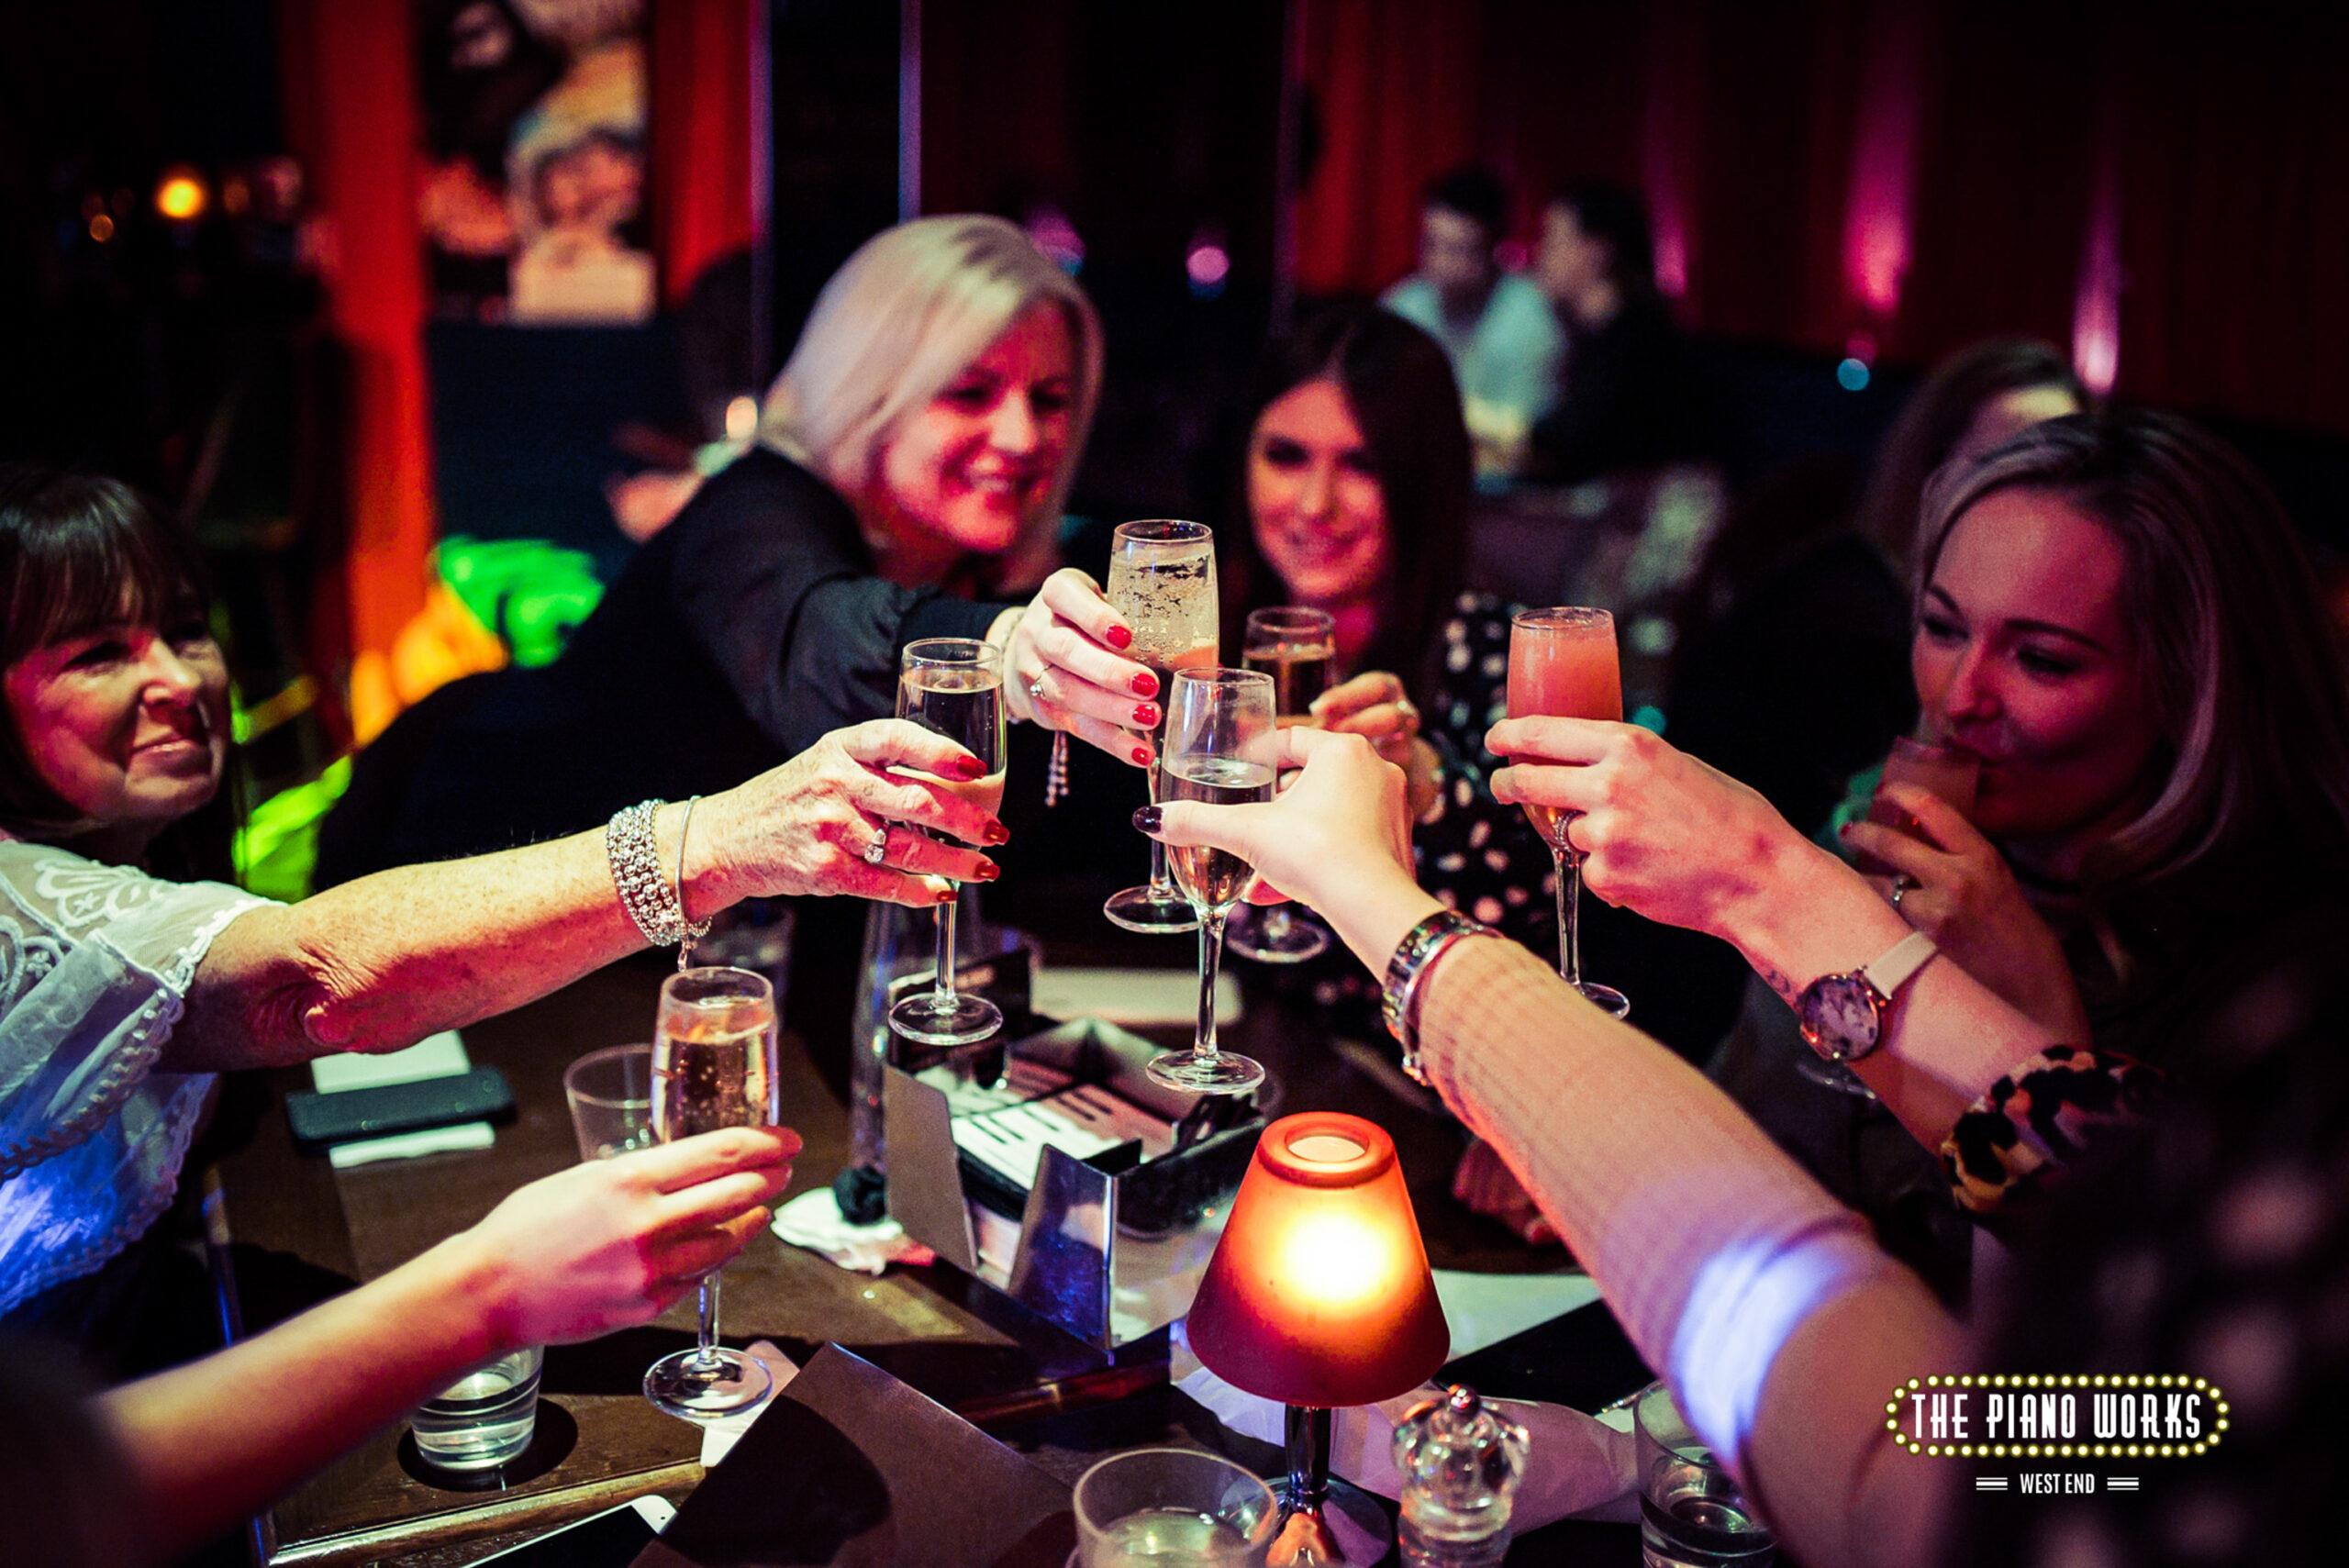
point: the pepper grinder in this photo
(1461, 1463)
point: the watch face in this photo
(1839, 1016)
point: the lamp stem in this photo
(1308, 1434)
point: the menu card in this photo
(849, 1466)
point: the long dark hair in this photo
(2244, 670)
(1935, 420)
(77, 551)
(1398, 383)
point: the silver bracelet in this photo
(694, 930)
(645, 894)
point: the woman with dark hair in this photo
(1356, 482)
(125, 991)
(1975, 399)
(1632, 397)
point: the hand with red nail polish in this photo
(1067, 666)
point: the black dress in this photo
(740, 635)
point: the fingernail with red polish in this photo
(1147, 819)
(1120, 638)
(996, 833)
(989, 870)
(1141, 756)
(1146, 715)
(945, 896)
(970, 768)
(1146, 684)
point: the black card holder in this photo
(320, 1121)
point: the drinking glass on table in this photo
(1172, 1507)
(1297, 647)
(713, 1066)
(1562, 664)
(610, 1092)
(1161, 581)
(1220, 749)
(954, 686)
(1692, 1514)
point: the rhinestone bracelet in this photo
(645, 894)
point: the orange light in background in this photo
(181, 196)
(101, 229)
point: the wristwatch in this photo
(1842, 1015)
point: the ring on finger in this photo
(1900, 885)
(877, 851)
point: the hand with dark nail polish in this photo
(996, 833)
(1147, 819)
(989, 870)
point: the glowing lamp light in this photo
(181, 196)
(1318, 1296)
(1852, 375)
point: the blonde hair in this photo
(897, 323)
(2243, 672)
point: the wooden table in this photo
(286, 1227)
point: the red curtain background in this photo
(701, 67)
(1778, 143)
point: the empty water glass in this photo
(484, 1417)
(1692, 1513)
(610, 1093)
(1172, 1507)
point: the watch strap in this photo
(1895, 969)
(1412, 958)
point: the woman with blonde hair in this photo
(916, 449)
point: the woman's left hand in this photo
(1956, 888)
(1065, 667)
(1374, 705)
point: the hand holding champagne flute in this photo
(1297, 647)
(1162, 581)
(953, 686)
(1563, 664)
(713, 1066)
(1220, 748)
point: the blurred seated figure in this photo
(1503, 341)
(2186, 1230)
(1634, 397)
(911, 458)
(132, 976)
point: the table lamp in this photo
(1318, 1296)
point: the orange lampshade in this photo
(1318, 1293)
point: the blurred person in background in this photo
(1634, 399)
(1498, 330)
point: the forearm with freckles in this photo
(381, 962)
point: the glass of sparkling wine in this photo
(1162, 580)
(1562, 664)
(1220, 748)
(954, 686)
(1172, 1507)
(713, 1066)
(1297, 647)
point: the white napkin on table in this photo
(813, 1220)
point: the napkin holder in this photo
(1111, 1246)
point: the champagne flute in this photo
(1298, 648)
(713, 1066)
(1220, 748)
(1162, 580)
(1563, 664)
(954, 686)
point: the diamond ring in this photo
(879, 848)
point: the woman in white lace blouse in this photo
(123, 987)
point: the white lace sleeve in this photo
(94, 966)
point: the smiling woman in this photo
(912, 459)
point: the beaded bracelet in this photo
(650, 900)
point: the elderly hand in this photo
(1065, 667)
(1659, 831)
(1337, 829)
(1376, 705)
(610, 1244)
(804, 828)
(1959, 891)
